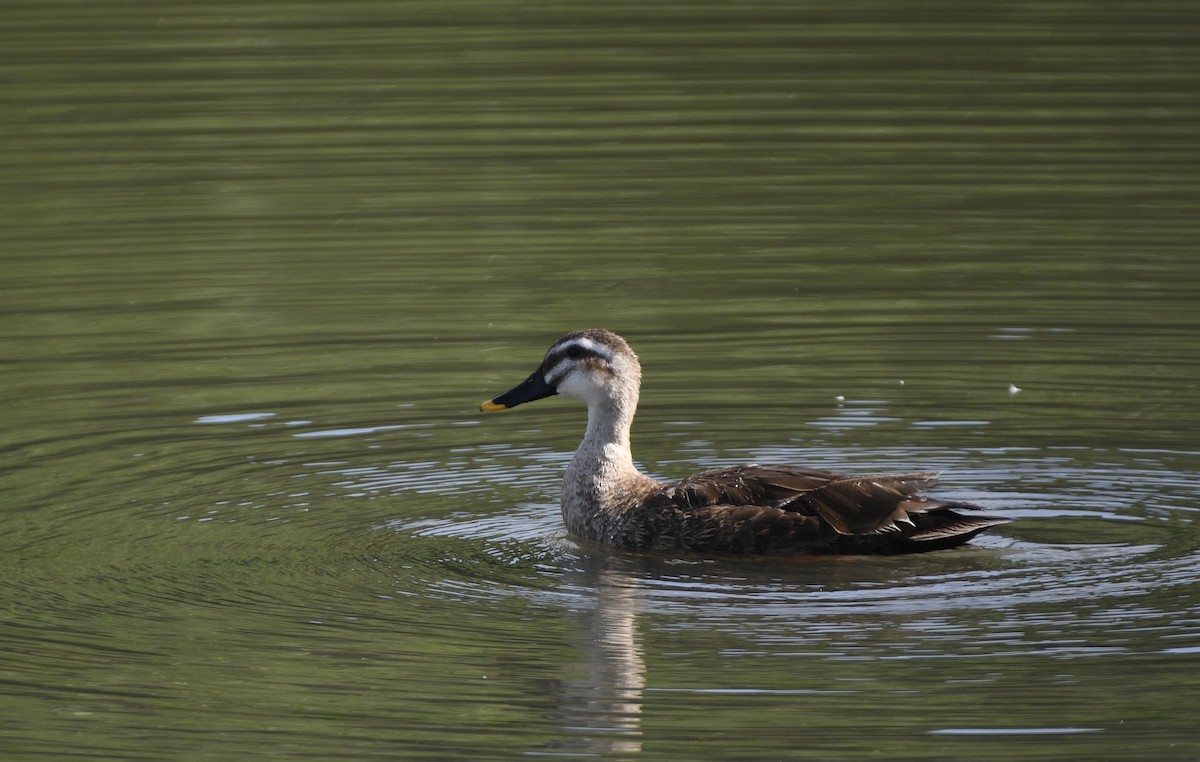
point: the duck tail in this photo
(939, 525)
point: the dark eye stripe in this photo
(559, 359)
(577, 349)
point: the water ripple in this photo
(1025, 590)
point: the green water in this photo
(260, 262)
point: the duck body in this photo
(751, 509)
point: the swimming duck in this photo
(759, 509)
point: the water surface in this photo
(262, 261)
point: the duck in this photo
(751, 509)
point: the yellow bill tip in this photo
(488, 406)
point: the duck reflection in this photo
(602, 704)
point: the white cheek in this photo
(574, 386)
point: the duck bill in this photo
(532, 388)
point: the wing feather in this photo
(773, 509)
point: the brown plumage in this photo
(787, 509)
(759, 509)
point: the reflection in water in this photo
(604, 710)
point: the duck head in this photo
(592, 365)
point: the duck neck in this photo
(602, 485)
(605, 450)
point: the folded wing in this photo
(782, 509)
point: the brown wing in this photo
(744, 485)
(867, 504)
(779, 509)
